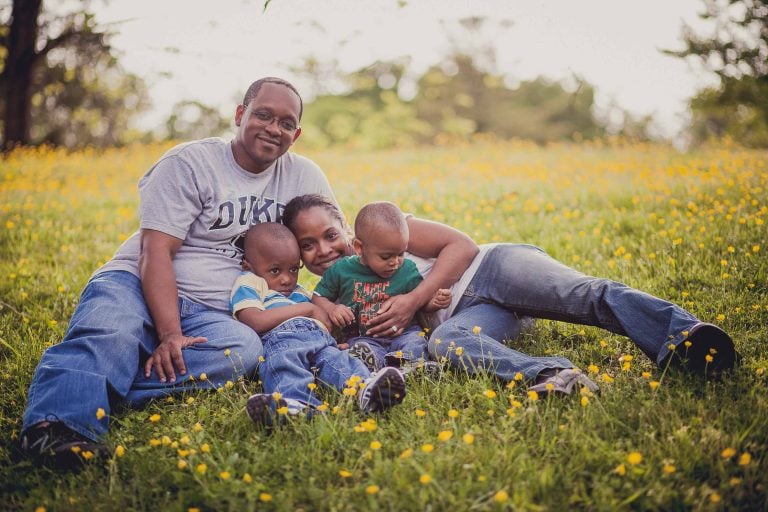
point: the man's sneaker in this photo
(420, 367)
(270, 410)
(708, 350)
(382, 390)
(563, 382)
(363, 351)
(57, 446)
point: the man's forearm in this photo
(158, 282)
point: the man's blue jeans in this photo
(110, 336)
(516, 280)
(411, 344)
(292, 349)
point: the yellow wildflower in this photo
(744, 459)
(100, 413)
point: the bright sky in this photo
(223, 46)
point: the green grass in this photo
(687, 227)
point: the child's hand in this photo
(341, 315)
(441, 300)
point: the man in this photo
(155, 319)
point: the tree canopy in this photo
(736, 49)
(61, 82)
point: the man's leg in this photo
(232, 351)
(98, 357)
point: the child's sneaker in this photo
(266, 410)
(420, 367)
(563, 382)
(363, 351)
(382, 390)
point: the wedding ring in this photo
(394, 328)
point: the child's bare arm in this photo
(263, 320)
(339, 314)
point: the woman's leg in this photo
(469, 340)
(525, 280)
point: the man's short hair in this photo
(255, 87)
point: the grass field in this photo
(687, 227)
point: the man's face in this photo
(266, 127)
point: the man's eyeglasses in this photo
(265, 118)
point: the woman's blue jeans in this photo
(516, 280)
(110, 336)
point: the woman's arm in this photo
(454, 252)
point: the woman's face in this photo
(322, 239)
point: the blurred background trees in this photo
(61, 83)
(736, 49)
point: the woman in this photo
(496, 285)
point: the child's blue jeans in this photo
(292, 349)
(411, 345)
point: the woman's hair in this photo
(300, 203)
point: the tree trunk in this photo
(19, 66)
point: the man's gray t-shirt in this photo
(198, 193)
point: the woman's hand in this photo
(394, 316)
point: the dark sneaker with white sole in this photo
(272, 410)
(564, 382)
(363, 351)
(707, 350)
(382, 390)
(57, 446)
